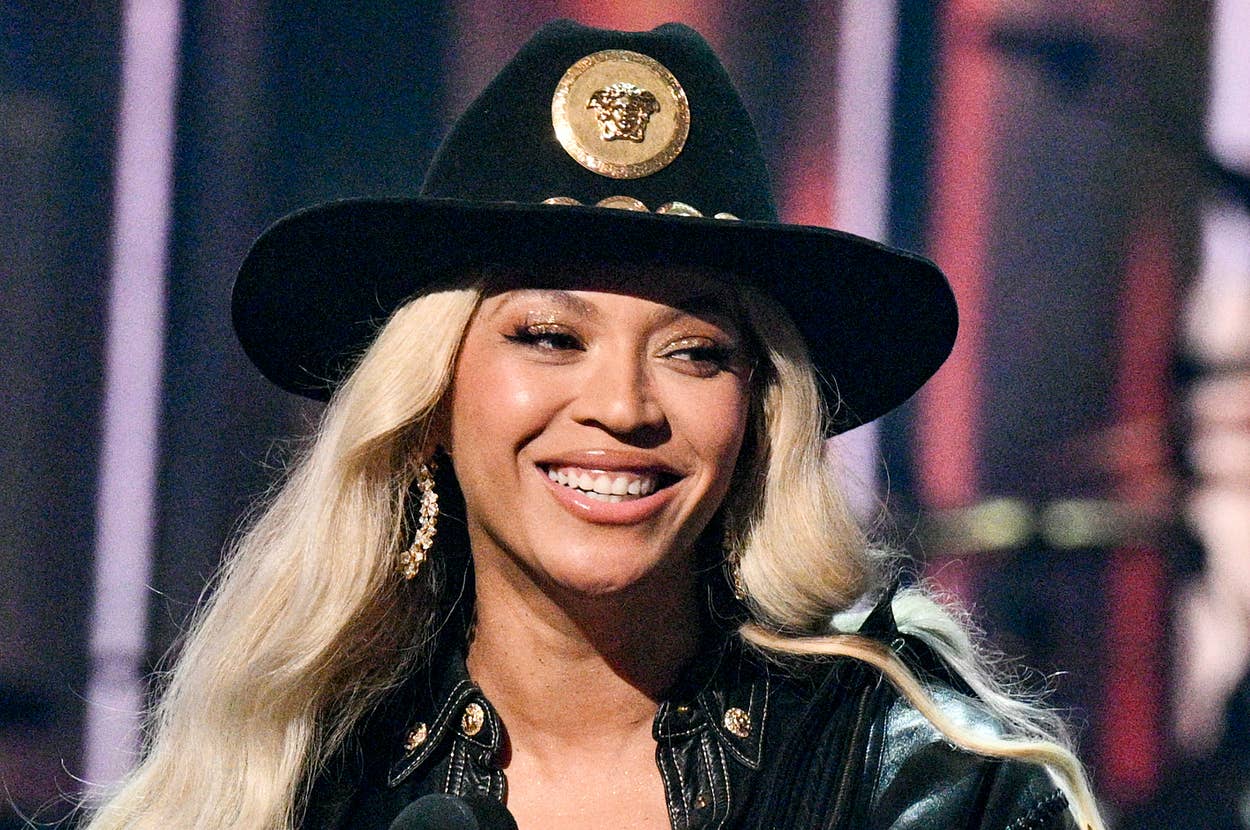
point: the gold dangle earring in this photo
(427, 523)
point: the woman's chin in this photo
(602, 577)
(597, 584)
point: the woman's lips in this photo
(608, 496)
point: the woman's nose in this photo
(617, 394)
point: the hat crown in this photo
(316, 286)
(504, 148)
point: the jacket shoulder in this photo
(847, 750)
(926, 781)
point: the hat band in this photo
(630, 203)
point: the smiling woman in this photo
(561, 397)
(566, 539)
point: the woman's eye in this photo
(546, 338)
(701, 354)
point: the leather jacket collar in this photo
(741, 743)
(724, 695)
(711, 733)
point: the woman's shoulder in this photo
(923, 779)
(848, 746)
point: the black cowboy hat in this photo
(580, 123)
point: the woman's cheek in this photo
(509, 401)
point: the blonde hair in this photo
(803, 562)
(308, 628)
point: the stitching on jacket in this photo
(453, 700)
(709, 768)
(665, 717)
(451, 766)
(439, 726)
(742, 749)
(681, 785)
(1039, 815)
(729, 793)
(759, 741)
(667, 770)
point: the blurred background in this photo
(1078, 473)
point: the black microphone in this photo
(449, 812)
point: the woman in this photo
(566, 539)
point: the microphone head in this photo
(440, 811)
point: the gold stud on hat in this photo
(620, 114)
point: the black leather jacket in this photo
(741, 743)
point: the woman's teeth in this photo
(604, 486)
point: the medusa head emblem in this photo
(623, 111)
(620, 114)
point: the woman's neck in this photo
(549, 661)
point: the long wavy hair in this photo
(307, 627)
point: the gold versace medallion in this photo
(415, 737)
(620, 114)
(472, 720)
(738, 722)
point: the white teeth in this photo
(614, 499)
(604, 487)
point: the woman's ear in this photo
(438, 430)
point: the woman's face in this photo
(593, 432)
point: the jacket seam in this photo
(451, 765)
(874, 790)
(729, 793)
(706, 759)
(681, 786)
(667, 770)
(839, 804)
(759, 741)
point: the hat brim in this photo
(316, 286)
